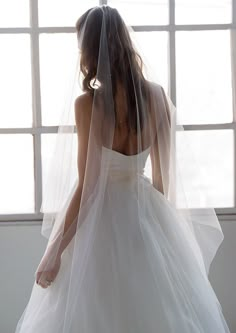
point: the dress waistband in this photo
(124, 175)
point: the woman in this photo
(125, 251)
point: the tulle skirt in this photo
(129, 273)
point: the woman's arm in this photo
(50, 263)
(156, 168)
(82, 107)
(161, 146)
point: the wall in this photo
(21, 248)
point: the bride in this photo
(126, 252)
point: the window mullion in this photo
(102, 2)
(172, 61)
(233, 71)
(172, 71)
(204, 127)
(36, 105)
(11, 218)
(30, 130)
(234, 12)
(233, 57)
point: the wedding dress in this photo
(140, 275)
(137, 262)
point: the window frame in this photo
(37, 129)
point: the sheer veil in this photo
(107, 59)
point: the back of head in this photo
(125, 64)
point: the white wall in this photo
(21, 248)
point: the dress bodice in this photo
(122, 166)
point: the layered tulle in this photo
(132, 273)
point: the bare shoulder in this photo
(155, 88)
(83, 108)
(159, 101)
(158, 93)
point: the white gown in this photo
(141, 274)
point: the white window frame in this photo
(34, 31)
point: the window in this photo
(195, 46)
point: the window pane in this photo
(204, 91)
(48, 146)
(137, 12)
(62, 12)
(214, 153)
(16, 174)
(203, 11)
(14, 13)
(48, 149)
(155, 54)
(15, 81)
(58, 54)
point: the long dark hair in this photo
(125, 62)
